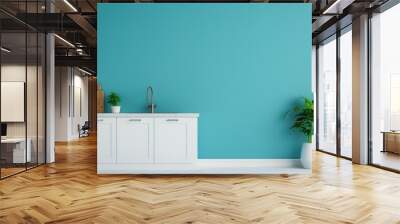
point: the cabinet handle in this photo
(135, 119)
(100, 120)
(169, 120)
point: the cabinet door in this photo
(106, 140)
(171, 140)
(135, 140)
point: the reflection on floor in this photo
(11, 169)
(346, 152)
(387, 159)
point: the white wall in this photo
(80, 89)
(71, 102)
(16, 72)
(62, 82)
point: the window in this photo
(327, 96)
(346, 75)
(385, 89)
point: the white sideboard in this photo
(144, 142)
(166, 143)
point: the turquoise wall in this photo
(241, 66)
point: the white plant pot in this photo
(115, 109)
(306, 155)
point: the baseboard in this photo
(210, 166)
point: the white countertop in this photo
(148, 115)
(14, 140)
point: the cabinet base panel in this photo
(204, 166)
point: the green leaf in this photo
(304, 118)
(113, 99)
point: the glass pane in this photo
(41, 98)
(327, 96)
(22, 89)
(385, 93)
(346, 94)
(13, 86)
(31, 100)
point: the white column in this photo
(50, 93)
(50, 110)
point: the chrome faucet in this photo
(150, 104)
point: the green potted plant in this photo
(114, 100)
(304, 123)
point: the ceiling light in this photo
(338, 6)
(84, 71)
(70, 5)
(65, 41)
(79, 51)
(5, 50)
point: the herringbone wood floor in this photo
(70, 191)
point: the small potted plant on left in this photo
(114, 100)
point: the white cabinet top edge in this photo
(104, 115)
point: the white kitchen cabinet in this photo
(142, 143)
(174, 142)
(106, 140)
(135, 140)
